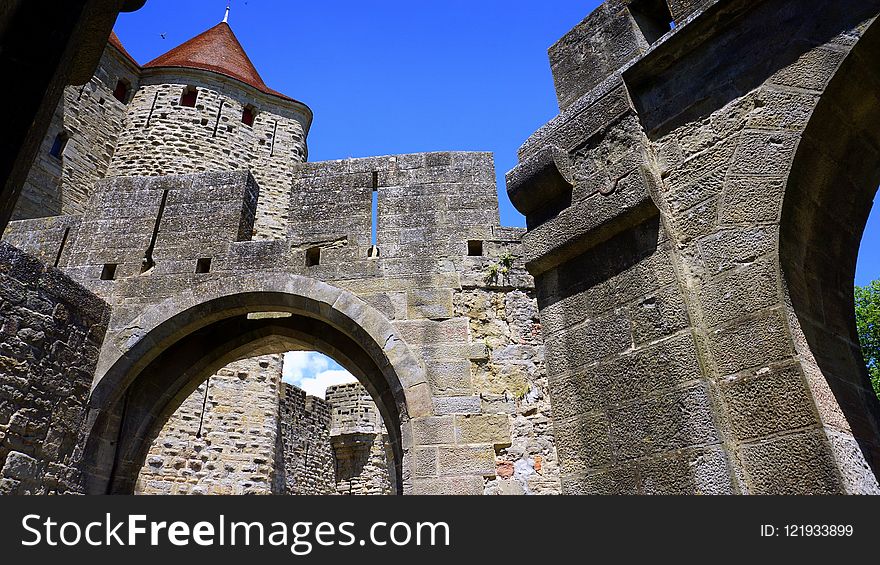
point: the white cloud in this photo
(313, 372)
(317, 386)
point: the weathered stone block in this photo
(467, 461)
(494, 429)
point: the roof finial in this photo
(226, 17)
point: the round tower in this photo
(204, 107)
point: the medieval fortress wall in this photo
(438, 242)
(51, 329)
(688, 348)
(245, 432)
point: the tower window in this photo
(475, 248)
(248, 115)
(123, 88)
(59, 144)
(189, 97)
(313, 256)
(108, 273)
(203, 266)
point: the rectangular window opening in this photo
(652, 17)
(313, 256)
(189, 97)
(248, 115)
(203, 266)
(108, 273)
(374, 213)
(475, 248)
(122, 89)
(59, 145)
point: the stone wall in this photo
(50, 332)
(677, 357)
(305, 458)
(164, 138)
(245, 432)
(94, 119)
(222, 439)
(514, 389)
(437, 234)
(424, 265)
(360, 442)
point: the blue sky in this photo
(399, 76)
(313, 372)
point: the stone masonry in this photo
(693, 221)
(360, 442)
(222, 439)
(305, 460)
(245, 432)
(51, 330)
(692, 254)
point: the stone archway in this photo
(145, 373)
(827, 200)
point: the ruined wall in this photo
(222, 439)
(51, 329)
(304, 458)
(162, 137)
(94, 120)
(360, 443)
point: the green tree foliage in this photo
(868, 324)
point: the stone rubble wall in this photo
(50, 332)
(305, 458)
(95, 120)
(514, 389)
(223, 443)
(230, 446)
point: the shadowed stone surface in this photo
(696, 288)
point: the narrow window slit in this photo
(152, 109)
(374, 248)
(274, 135)
(204, 405)
(148, 262)
(219, 114)
(61, 247)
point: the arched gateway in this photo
(184, 340)
(187, 206)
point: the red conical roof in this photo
(115, 42)
(219, 51)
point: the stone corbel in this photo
(542, 184)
